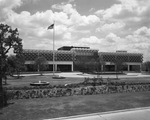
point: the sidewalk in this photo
(127, 114)
(80, 75)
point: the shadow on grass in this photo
(14, 77)
(8, 104)
(5, 106)
(6, 84)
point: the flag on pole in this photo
(51, 26)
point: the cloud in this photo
(110, 12)
(70, 1)
(69, 25)
(128, 19)
(111, 27)
(67, 36)
(74, 17)
(132, 10)
(9, 4)
(92, 9)
(143, 31)
(6, 7)
(138, 41)
(112, 38)
(108, 43)
(91, 40)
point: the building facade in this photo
(67, 57)
(63, 59)
(131, 61)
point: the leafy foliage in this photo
(146, 66)
(16, 64)
(59, 91)
(88, 64)
(119, 64)
(41, 63)
(9, 39)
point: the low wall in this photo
(88, 90)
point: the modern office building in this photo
(66, 58)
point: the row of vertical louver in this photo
(125, 57)
(31, 55)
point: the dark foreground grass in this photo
(45, 108)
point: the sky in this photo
(105, 25)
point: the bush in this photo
(58, 91)
(88, 87)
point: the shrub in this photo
(41, 92)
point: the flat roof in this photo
(70, 47)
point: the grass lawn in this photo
(45, 108)
(25, 81)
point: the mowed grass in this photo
(25, 81)
(46, 108)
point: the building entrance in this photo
(64, 68)
(109, 67)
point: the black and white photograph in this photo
(74, 59)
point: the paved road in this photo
(128, 114)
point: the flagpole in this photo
(54, 49)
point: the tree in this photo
(146, 66)
(9, 39)
(41, 64)
(15, 64)
(98, 62)
(11, 64)
(4, 72)
(119, 64)
(89, 64)
(81, 64)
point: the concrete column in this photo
(140, 67)
(102, 67)
(128, 67)
(38, 69)
(116, 68)
(55, 67)
(72, 67)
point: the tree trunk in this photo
(116, 75)
(5, 80)
(1, 93)
(3, 100)
(18, 74)
(1, 85)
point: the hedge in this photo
(70, 91)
